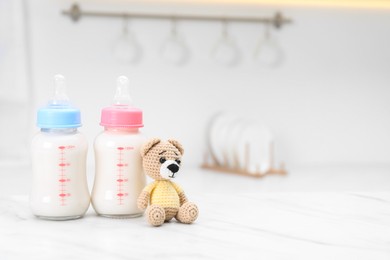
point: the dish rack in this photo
(244, 171)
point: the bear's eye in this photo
(178, 161)
(162, 160)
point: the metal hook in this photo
(225, 50)
(267, 51)
(225, 33)
(174, 49)
(126, 49)
(125, 29)
(173, 26)
(267, 32)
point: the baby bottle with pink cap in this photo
(119, 177)
(59, 182)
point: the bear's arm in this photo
(150, 187)
(180, 192)
(143, 198)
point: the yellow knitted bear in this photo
(161, 161)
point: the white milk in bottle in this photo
(119, 177)
(59, 183)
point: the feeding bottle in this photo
(59, 182)
(119, 177)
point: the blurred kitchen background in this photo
(327, 102)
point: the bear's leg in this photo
(170, 212)
(156, 215)
(188, 212)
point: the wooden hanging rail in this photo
(75, 13)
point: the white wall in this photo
(14, 75)
(328, 103)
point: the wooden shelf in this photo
(272, 171)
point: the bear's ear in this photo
(177, 145)
(149, 145)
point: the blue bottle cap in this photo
(59, 113)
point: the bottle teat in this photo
(60, 98)
(122, 113)
(122, 94)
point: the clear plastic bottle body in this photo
(59, 182)
(119, 177)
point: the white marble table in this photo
(323, 213)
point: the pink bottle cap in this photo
(122, 113)
(130, 117)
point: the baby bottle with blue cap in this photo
(59, 151)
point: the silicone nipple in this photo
(60, 98)
(122, 95)
(122, 113)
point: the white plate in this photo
(258, 140)
(236, 128)
(217, 136)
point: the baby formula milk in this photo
(59, 184)
(119, 177)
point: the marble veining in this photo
(241, 224)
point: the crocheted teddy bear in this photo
(161, 162)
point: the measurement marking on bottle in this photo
(120, 174)
(63, 179)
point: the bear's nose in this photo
(173, 168)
